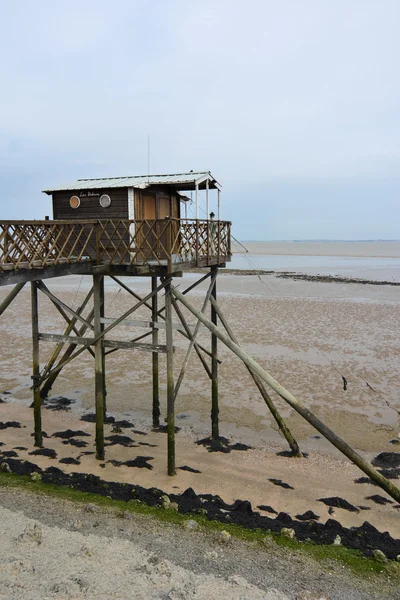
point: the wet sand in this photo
(306, 334)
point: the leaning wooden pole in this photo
(214, 363)
(267, 398)
(154, 340)
(37, 401)
(340, 444)
(13, 294)
(98, 287)
(170, 382)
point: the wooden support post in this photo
(7, 301)
(340, 444)
(170, 382)
(214, 363)
(98, 287)
(267, 398)
(37, 401)
(154, 318)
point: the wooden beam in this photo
(170, 384)
(13, 294)
(23, 276)
(145, 324)
(37, 401)
(155, 326)
(59, 304)
(119, 344)
(214, 364)
(267, 398)
(340, 444)
(98, 286)
(189, 335)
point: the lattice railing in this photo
(164, 242)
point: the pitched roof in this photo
(181, 181)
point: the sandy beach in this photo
(308, 335)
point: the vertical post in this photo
(170, 382)
(154, 318)
(98, 288)
(214, 366)
(197, 200)
(207, 203)
(219, 205)
(37, 401)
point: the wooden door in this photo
(163, 211)
(149, 237)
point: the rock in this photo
(165, 501)
(211, 554)
(5, 467)
(127, 515)
(32, 533)
(288, 532)
(77, 525)
(379, 556)
(398, 558)
(337, 541)
(191, 525)
(36, 476)
(224, 537)
(91, 508)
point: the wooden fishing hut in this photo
(119, 226)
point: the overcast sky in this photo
(292, 105)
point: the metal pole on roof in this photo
(197, 201)
(207, 206)
(219, 205)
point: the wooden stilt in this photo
(267, 398)
(37, 411)
(170, 382)
(340, 444)
(13, 294)
(156, 393)
(214, 363)
(98, 286)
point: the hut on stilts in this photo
(126, 227)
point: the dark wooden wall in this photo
(90, 207)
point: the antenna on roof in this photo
(148, 157)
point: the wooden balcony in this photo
(138, 247)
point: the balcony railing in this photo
(163, 242)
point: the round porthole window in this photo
(105, 201)
(74, 201)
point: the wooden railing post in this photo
(197, 242)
